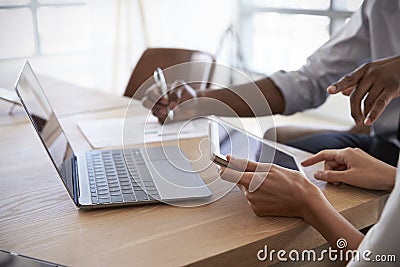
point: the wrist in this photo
(389, 178)
(314, 204)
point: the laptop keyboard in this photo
(110, 180)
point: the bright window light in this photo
(17, 39)
(64, 29)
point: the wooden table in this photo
(38, 219)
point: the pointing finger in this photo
(350, 80)
(325, 155)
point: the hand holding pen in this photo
(162, 100)
(162, 84)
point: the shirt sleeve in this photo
(344, 52)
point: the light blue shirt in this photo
(372, 33)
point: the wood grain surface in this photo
(38, 219)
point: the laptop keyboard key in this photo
(128, 197)
(94, 200)
(116, 198)
(114, 189)
(141, 196)
(102, 188)
(104, 200)
(115, 193)
(144, 173)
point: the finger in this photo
(378, 107)
(152, 105)
(247, 165)
(348, 91)
(331, 165)
(173, 96)
(242, 188)
(161, 120)
(357, 96)
(155, 96)
(184, 88)
(331, 176)
(347, 81)
(160, 112)
(233, 176)
(147, 103)
(341, 168)
(373, 94)
(157, 110)
(172, 104)
(176, 91)
(325, 155)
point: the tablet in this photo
(11, 259)
(228, 139)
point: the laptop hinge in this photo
(75, 179)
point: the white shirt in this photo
(372, 33)
(384, 237)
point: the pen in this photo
(161, 83)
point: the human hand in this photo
(281, 192)
(179, 93)
(378, 81)
(354, 167)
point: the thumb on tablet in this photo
(247, 165)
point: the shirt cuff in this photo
(286, 82)
(298, 91)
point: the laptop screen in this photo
(45, 122)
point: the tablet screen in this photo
(241, 145)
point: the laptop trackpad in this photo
(177, 179)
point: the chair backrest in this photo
(164, 58)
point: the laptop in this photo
(103, 178)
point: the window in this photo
(80, 41)
(43, 27)
(193, 24)
(280, 34)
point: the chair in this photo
(164, 58)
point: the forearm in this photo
(247, 100)
(333, 226)
(384, 181)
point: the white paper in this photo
(138, 130)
